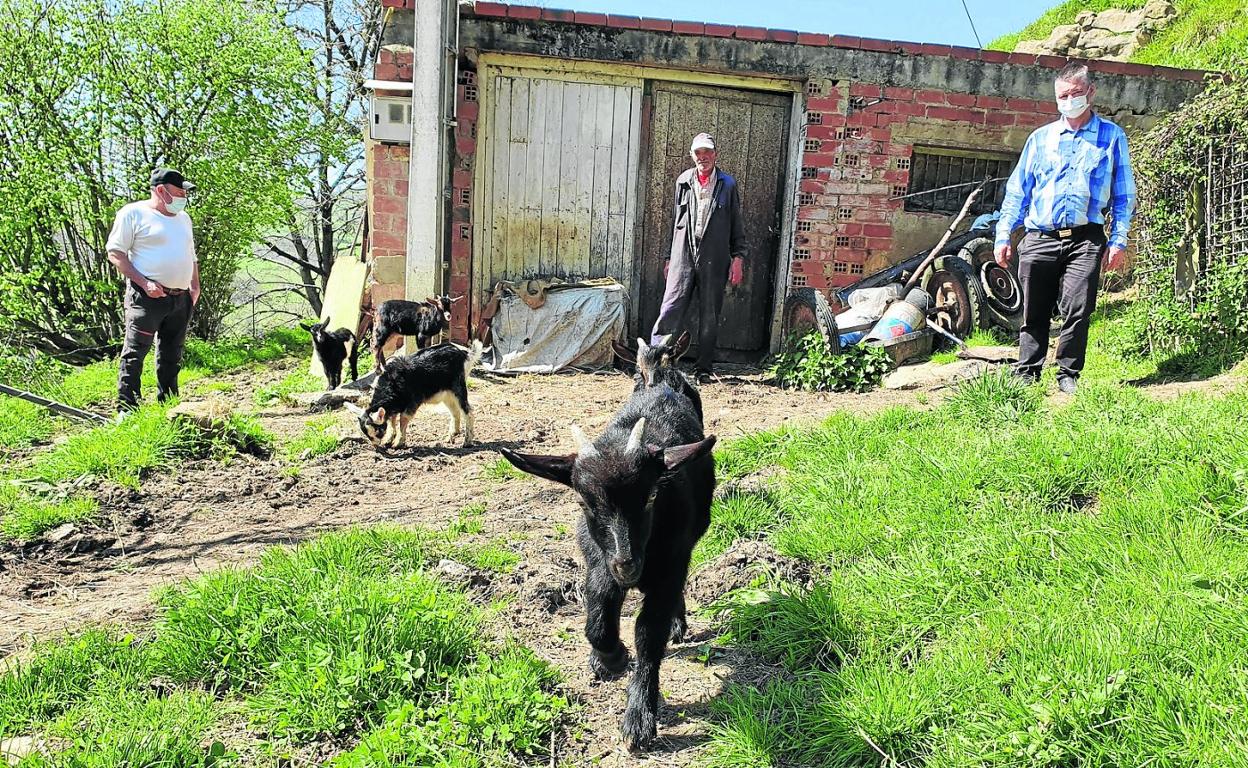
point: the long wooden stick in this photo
(52, 405)
(914, 278)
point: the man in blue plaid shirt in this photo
(1073, 178)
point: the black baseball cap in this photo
(170, 176)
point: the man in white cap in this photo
(708, 250)
(152, 246)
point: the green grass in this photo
(1207, 34)
(293, 383)
(343, 641)
(501, 469)
(145, 441)
(25, 517)
(736, 516)
(23, 423)
(316, 439)
(1006, 582)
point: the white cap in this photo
(703, 141)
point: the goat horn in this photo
(634, 439)
(582, 441)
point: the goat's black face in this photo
(373, 426)
(617, 495)
(617, 485)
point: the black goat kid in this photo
(422, 319)
(657, 365)
(332, 347)
(645, 486)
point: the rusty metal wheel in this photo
(807, 309)
(956, 296)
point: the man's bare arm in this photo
(121, 261)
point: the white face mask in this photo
(1072, 108)
(176, 204)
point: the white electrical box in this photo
(391, 119)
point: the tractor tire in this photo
(955, 290)
(807, 309)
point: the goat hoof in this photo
(679, 628)
(638, 729)
(609, 666)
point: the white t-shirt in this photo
(162, 248)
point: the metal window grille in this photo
(1226, 215)
(938, 168)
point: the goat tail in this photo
(474, 357)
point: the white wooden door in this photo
(556, 179)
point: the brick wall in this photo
(857, 149)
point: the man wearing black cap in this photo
(152, 246)
(708, 250)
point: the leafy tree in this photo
(93, 95)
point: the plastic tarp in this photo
(572, 329)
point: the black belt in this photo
(1083, 230)
(168, 291)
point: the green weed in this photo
(738, 515)
(24, 517)
(283, 391)
(23, 423)
(501, 469)
(144, 441)
(807, 364)
(316, 439)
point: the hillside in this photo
(1206, 34)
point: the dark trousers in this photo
(1065, 273)
(163, 321)
(701, 287)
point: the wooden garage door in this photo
(557, 180)
(751, 130)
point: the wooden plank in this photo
(552, 152)
(631, 74)
(569, 173)
(539, 92)
(498, 202)
(600, 186)
(632, 190)
(621, 148)
(584, 181)
(517, 149)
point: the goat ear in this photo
(378, 416)
(557, 468)
(681, 346)
(433, 300)
(623, 352)
(457, 298)
(679, 455)
(353, 408)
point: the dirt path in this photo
(208, 515)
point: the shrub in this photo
(806, 364)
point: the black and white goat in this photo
(646, 486)
(656, 365)
(333, 347)
(434, 376)
(422, 319)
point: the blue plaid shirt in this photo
(1068, 178)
